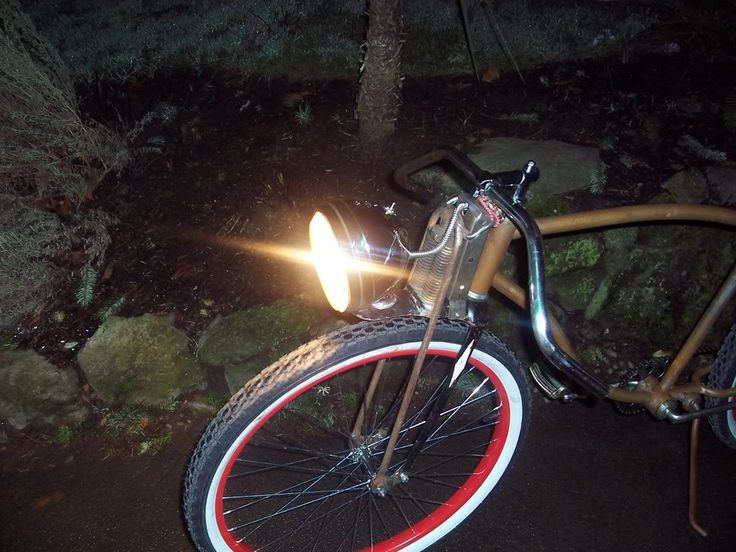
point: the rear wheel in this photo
(287, 464)
(723, 376)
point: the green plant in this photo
(29, 238)
(128, 420)
(154, 444)
(698, 149)
(216, 400)
(598, 179)
(64, 435)
(47, 149)
(170, 405)
(527, 118)
(304, 115)
(86, 288)
(111, 309)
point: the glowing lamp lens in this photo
(330, 262)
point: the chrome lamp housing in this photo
(358, 257)
(363, 266)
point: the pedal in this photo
(551, 386)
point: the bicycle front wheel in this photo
(287, 464)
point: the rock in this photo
(722, 182)
(598, 299)
(661, 284)
(245, 342)
(687, 186)
(34, 393)
(575, 290)
(571, 253)
(564, 167)
(143, 359)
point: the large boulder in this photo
(245, 342)
(564, 167)
(144, 359)
(34, 393)
(688, 186)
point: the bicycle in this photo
(386, 434)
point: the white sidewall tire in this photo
(516, 419)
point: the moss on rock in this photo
(245, 342)
(576, 289)
(241, 335)
(143, 359)
(566, 254)
(598, 299)
(540, 205)
(35, 393)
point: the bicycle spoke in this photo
(321, 526)
(314, 421)
(440, 483)
(451, 458)
(400, 509)
(380, 517)
(267, 466)
(302, 478)
(455, 411)
(329, 514)
(285, 510)
(323, 517)
(297, 450)
(361, 508)
(418, 500)
(312, 482)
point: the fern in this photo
(528, 118)
(598, 179)
(110, 310)
(304, 115)
(729, 111)
(87, 282)
(697, 148)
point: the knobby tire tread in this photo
(722, 376)
(258, 393)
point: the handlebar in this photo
(473, 175)
(492, 184)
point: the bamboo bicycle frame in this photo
(650, 393)
(658, 396)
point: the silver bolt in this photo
(403, 477)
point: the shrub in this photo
(29, 238)
(319, 39)
(47, 150)
(30, 241)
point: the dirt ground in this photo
(586, 479)
(234, 163)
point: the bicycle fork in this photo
(382, 481)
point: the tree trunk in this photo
(380, 80)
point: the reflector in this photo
(356, 254)
(330, 262)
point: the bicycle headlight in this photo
(356, 254)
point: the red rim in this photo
(436, 518)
